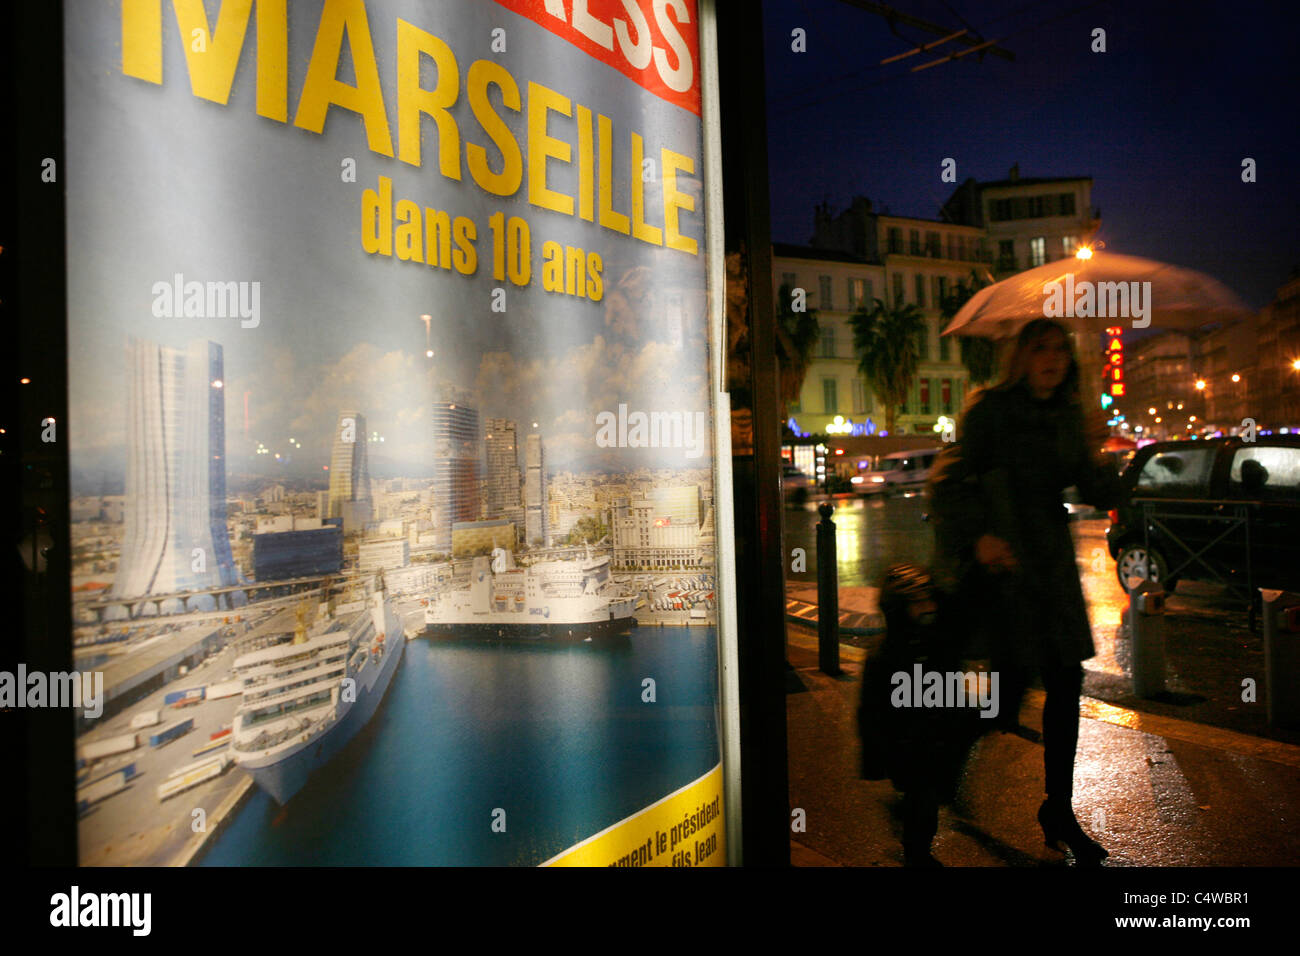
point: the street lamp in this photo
(1151, 411)
(1083, 252)
(1236, 377)
(428, 341)
(1295, 364)
(1200, 384)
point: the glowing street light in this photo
(1083, 252)
(428, 341)
(1151, 411)
(1236, 377)
(1200, 384)
(1295, 364)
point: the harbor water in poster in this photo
(392, 449)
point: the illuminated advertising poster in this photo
(392, 436)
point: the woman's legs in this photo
(1063, 684)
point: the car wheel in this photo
(1135, 560)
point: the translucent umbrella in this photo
(1090, 295)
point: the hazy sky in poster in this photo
(162, 182)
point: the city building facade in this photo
(298, 553)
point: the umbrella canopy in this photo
(1089, 295)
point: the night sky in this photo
(1161, 121)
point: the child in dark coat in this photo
(921, 749)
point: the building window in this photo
(932, 245)
(943, 348)
(829, 401)
(920, 290)
(1065, 204)
(936, 297)
(857, 293)
(828, 341)
(895, 240)
(925, 396)
(859, 396)
(868, 293)
(1038, 207)
(898, 288)
(789, 279)
(952, 247)
(826, 297)
(923, 341)
(946, 395)
(1006, 255)
(1069, 245)
(914, 241)
(1037, 251)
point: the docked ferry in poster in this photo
(561, 600)
(305, 699)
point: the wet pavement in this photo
(1155, 791)
(1195, 777)
(1210, 650)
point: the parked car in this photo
(1198, 489)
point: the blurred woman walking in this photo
(1004, 555)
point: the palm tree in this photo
(887, 342)
(797, 334)
(978, 354)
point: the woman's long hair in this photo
(1017, 366)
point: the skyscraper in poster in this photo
(175, 511)
(502, 442)
(457, 461)
(536, 517)
(349, 496)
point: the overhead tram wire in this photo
(894, 17)
(874, 67)
(840, 92)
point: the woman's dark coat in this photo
(1013, 457)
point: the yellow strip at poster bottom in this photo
(684, 828)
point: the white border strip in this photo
(723, 521)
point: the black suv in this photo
(1221, 509)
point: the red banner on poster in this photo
(655, 44)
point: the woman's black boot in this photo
(1060, 826)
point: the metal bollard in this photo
(1146, 626)
(828, 595)
(1281, 656)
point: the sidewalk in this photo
(1154, 790)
